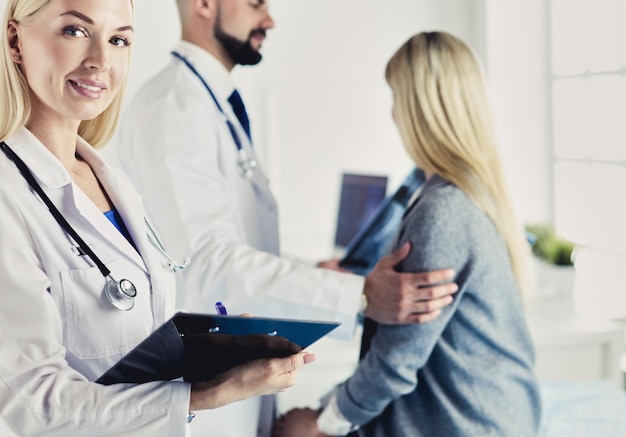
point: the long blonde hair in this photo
(442, 113)
(14, 89)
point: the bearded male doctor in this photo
(185, 141)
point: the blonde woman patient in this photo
(62, 74)
(470, 372)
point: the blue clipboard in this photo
(302, 332)
(165, 356)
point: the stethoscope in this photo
(246, 164)
(120, 293)
(170, 264)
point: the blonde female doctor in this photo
(80, 281)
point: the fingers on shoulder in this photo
(423, 317)
(431, 285)
(433, 277)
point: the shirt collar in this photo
(39, 160)
(44, 165)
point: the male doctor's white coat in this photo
(58, 331)
(174, 143)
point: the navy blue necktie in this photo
(240, 111)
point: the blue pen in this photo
(220, 308)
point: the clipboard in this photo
(169, 354)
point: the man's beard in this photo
(240, 52)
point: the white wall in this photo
(517, 51)
(156, 31)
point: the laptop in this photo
(360, 196)
(374, 238)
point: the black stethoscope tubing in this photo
(122, 296)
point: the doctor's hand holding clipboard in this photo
(199, 347)
(234, 350)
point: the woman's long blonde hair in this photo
(442, 112)
(14, 90)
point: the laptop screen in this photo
(360, 195)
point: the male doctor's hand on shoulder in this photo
(391, 297)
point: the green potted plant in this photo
(554, 261)
(550, 247)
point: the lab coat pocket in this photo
(94, 327)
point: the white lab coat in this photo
(174, 143)
(58, 331)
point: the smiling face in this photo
(74, 55)
(240, 28)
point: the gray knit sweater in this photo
(470, 371)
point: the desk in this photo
(571, 347)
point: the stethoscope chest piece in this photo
(246, 165)
(120, 293)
